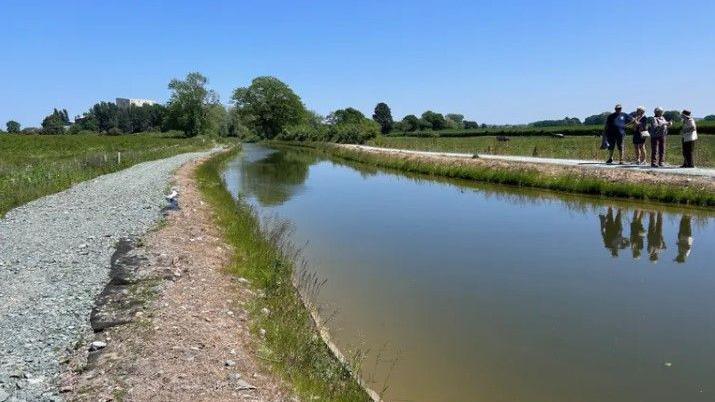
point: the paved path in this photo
(564, 162)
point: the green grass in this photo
(291, 343)
(704, 127)
(577, 147)
(32, 166)
(529, 177)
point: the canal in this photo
(467, 292)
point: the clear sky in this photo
(494, 61)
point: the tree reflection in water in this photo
(278, 177)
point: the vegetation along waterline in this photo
(570, 147)
(695, 192)
(291, 343)
(34, 166)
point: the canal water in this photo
(462, 292)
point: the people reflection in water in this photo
(612, 232)
(637, 234)
(656, 243)
(685, 239)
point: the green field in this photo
(577, 147)
(32, 166)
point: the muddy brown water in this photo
(462, 292)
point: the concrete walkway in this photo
(564, 162)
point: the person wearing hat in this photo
(659, 130)
(615, 131)
(690, 135)
(640, 133)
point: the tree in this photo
(454, 120)
(410, 123)
(268, 105)
(189, 104)
(436, 120)
(13, 127)
(596, 119)
(566, 121)
(105, 115)
(383, 117)
(469, 124)
(55, 123)
(347, 115)
(673, 115)
(706, 118)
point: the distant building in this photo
(125, 103)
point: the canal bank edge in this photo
(681, 190)
(297, 344)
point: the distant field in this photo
(704, 127)
(32, 166)
(577, 147)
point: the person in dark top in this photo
(656, 243)
(637, 234)
(615, 131)
(685, 239)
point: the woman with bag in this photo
(690, 135)
(640, 127)
(659, 130)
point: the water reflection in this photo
(614, 241)
(276, 177)
(685, 238)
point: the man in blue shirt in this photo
(615, 131)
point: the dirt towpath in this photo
(585, 164)
(190, 340)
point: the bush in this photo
(354, 133)
(114, 131)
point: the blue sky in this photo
(494, 61)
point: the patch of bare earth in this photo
(190, 340)
(647, 177)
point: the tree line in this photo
(266, 109)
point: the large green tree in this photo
(436, 120)
(268, 106)
(188, 107)
(410, 123)
(13, 127)
(347, 115)
(673, 115)
(383, 117)
(55, 123)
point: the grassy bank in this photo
(569, 181)
(32, 166)
(544, 146)
(291, 343)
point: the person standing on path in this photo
(659, 130)
(690, 135)
(640, 133)
(615, 131)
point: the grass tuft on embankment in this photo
(525, 177)
(32, 166)
(291, 343)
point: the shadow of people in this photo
(685, 239)
(612, 231)
(637, 234)
(656, 243)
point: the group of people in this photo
(655, 129)
(614, 240)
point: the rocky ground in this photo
(187, 336)
(55, 258)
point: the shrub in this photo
(354, 133)
(114, 131)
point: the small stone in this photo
(668, 364)
(97, 345)
(243, 280)
(242, 385)
(229, 363)
(265, 311)
(262, 332)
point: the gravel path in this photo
(54, 260)
(552, 161)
